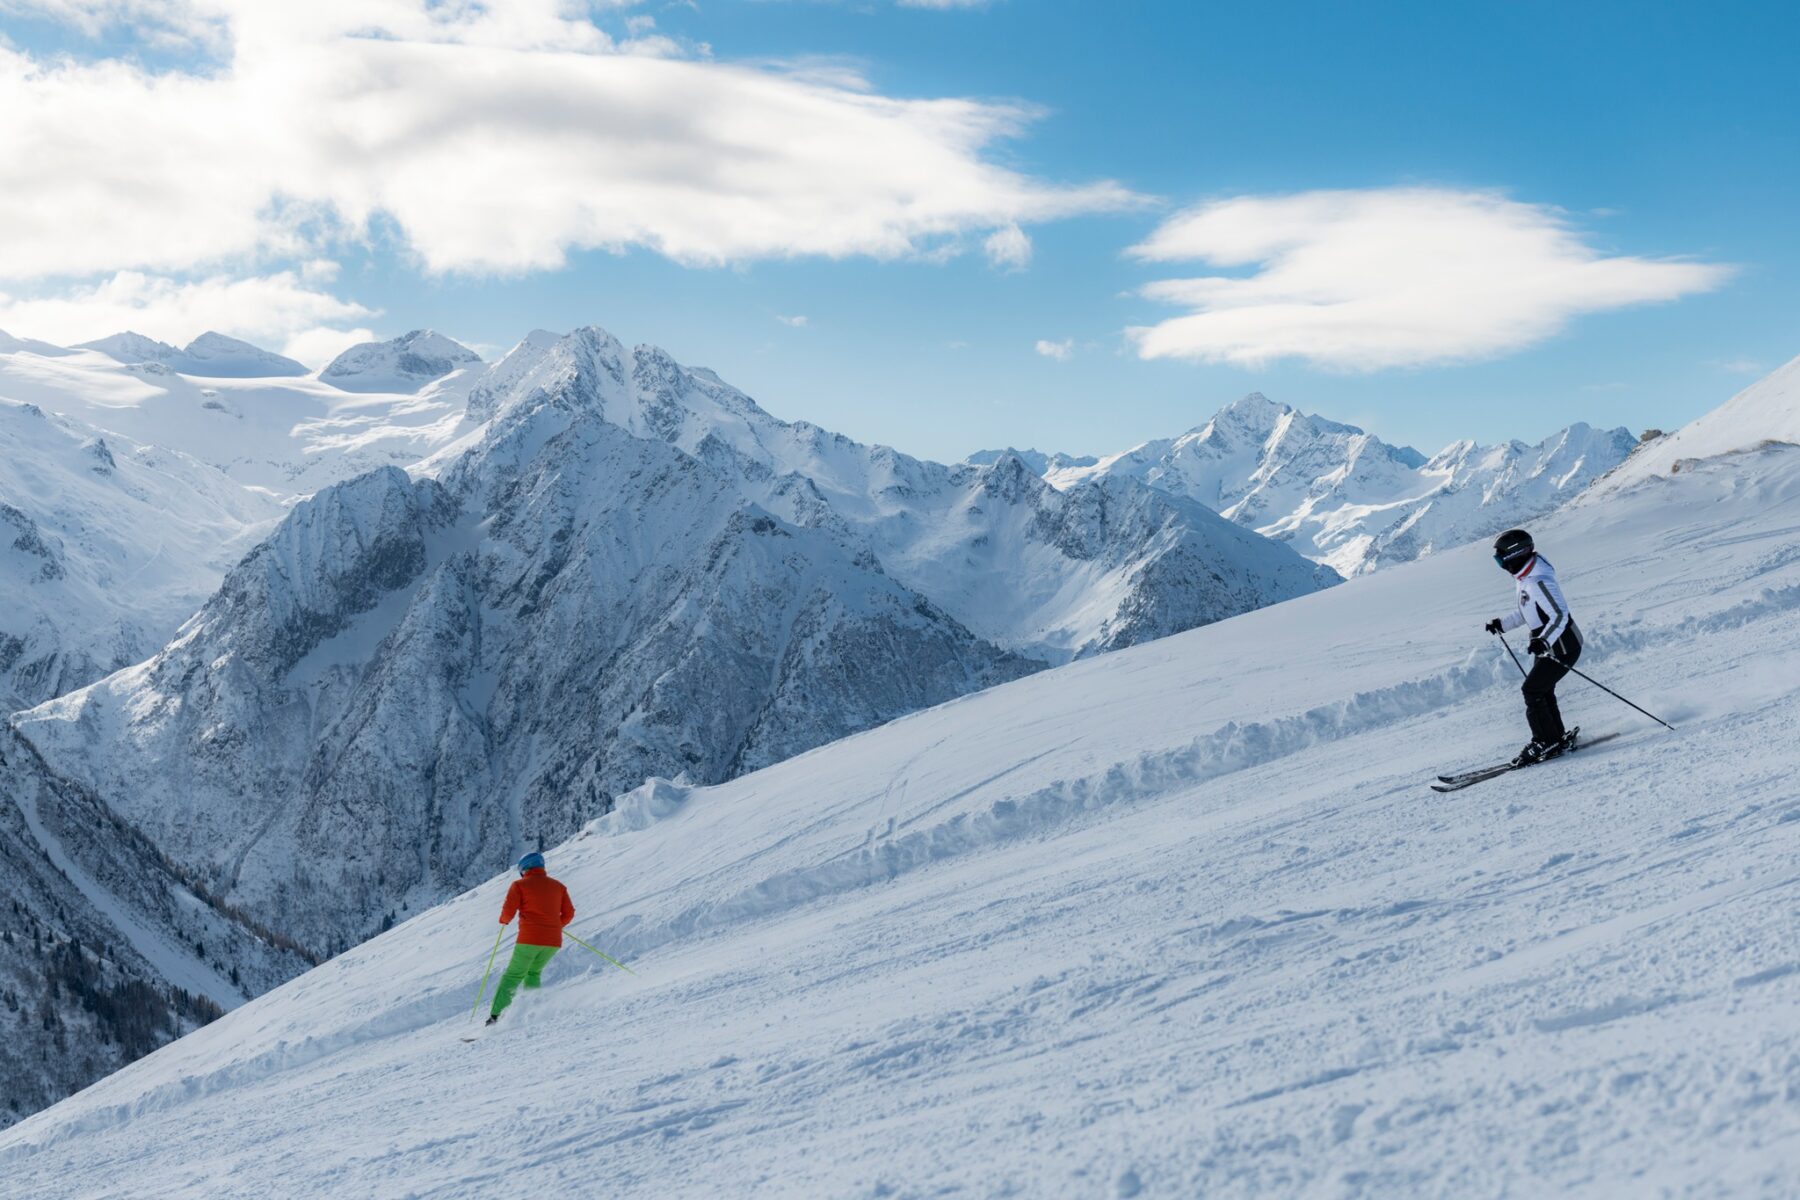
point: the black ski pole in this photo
(1511, 655)
(1614, 694)
(1565, 666)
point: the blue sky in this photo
(1665, 137)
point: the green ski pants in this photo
(527, 967)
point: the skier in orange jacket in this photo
(543, 908)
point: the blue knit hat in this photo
(532, 861)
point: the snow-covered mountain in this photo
(1180, 920)
(1039, 462)
(1047, 573)
(106, 547)
(12, 345)
(1344, 497)
(402, 364)
(629, 570)
(211, 355)
(289, 436)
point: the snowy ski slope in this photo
(1180, 920)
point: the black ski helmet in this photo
(1513, 549)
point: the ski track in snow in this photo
(1182, 920)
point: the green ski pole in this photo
(490, 970)
(609, 958)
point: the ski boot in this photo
(494, 1019)
(1536, 752)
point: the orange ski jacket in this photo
(543, 908)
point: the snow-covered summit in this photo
(1344, 497)
(1039, 462)
(211, 355)
(131, 347)
(1044, 571)
(405, 363)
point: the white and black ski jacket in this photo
(1541, 604)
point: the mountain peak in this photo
(401, 364)
(131, 346)
(215, 354)
(1040, 462)
(212, 354)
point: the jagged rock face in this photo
(79, 998)
(1347, 499)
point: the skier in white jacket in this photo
(1555, 641)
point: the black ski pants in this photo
(1540, 688)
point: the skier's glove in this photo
(1494, 625)
(1537, 647)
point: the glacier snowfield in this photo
(1178, 920)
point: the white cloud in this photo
(798, 321)
(1061, 351)
(1362, 280)
(1009, 248)
(274, 310)
(316, 347)
(495, 138)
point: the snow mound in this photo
(1181, 919)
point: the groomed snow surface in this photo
(1181, 920)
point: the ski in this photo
(1453, 783)
(1470, 778)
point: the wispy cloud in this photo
(1362, 280)
(1061, 351)
(493, 138)
(1008, 248)
(797, 321)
